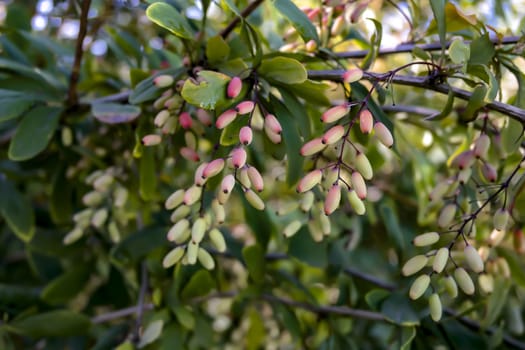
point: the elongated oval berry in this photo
(245, 107)
(274, 137)
(335, 113)
(197, 177)
(73, 236)
(307, 201)
(217, 240)
(363, 165)
(464, 160)
(169, 126)
(414, 265)
(326, 225)
(163, 80)
(254, 199)
(436, 309)
(446, 215)
(501, 219)
(189, 154)
(489, 172)
(92, 199)
(450, 286)
(439, 190)
(333, 135)
(352, 75)
(204, 117)
(244, 179)
(238, 157)
(185, 120)
(356, 203)
(205, 259)
(177, 230)
(332, 199)
(481, 146)
(473, 259)
(425, 239)
(383, 134)
(103, 183)
(419, 286)
(218, 211)
(192, 195)
(226, 118)
(359, 185)
(309, 181)
(272, 123)
(246, 135)
(337, 28)
(180, 213)
(227, 183)
(151, 140)
(464, 175)
(174, 200)
(234, 87)
(213, 168)
(161, 118)
(440, 259)
(191, 252)
(173, 257)
(486, 283)
(292, 228)
(312, 147)
(256, 178)
(464, 281)
(366, 121)
(198, 229)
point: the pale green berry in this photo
(217, 240)
(191, 252)
(419, 286)
(254, 199)
(180, 213)
(178, 230)
(446, 215)
(73, 236)
(292, 228)
(173, 257)
(486, 283)
(464, 281)
(174, 200)
(198, 229)
(451, 286)
(440, 260)
(414, 265)
(425, 239)
(436, 309)
(501, 219)
(473, 259)
(205, 259)
(363, 165)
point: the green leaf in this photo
(517, 268)
(388, 213)
(136, 245)
(60, 202)
(458, 51)
(292, 141)
(497, 300)
(18, 294)
(233, 8)
(256, 333)
(305, 249)
(200, 284)
(288, 319)
(14, 104)
(17, 211)
(255, 262)
(169, 18)
(184, 316)
(398, 309)
(66, 286)
(359, 93)
(147, 174)
(147, 91)
(259, 222)
(298, 19)
(58, 323)
(312, 92)
(230, 134)
(151, 333)
(283, 70)
(511, 135)
(375, 298)
(446, 110)
(375, 44)
(34, 132)
(482, 50)
(476, 101)
(217, 49)
(209, 93)
(407, 336)
(115, 113)
(438, 8)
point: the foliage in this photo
(179, 174)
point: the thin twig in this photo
(110, 316)
(140, 302)
(403, 48)
(425, 83)
(372, 279)
(72, 96)
(244, 13)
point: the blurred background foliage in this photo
(108, 289)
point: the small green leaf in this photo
(446, 110)
(233, 8)
(217, 49)
(146, 90)
(147, 174)
(66, 286)
(184, 316)
(210, 93)
(58, 323)
(375, 297)
(482, 50)
(169, 18)
(511, 135)
(115, 113)
(398, 309)
(151, 333)
(497, 300)
(34, 132)
(138, 244)
(255, 262)
(259, 222)
(476, 101)
(16, 211)
(230, 134)
(283, 70)
(304, 248)
(298, 19)
(312, 92)
(200, 284)
(60, 202)
(458, 51)
(14, 104)
(407, 335)
(438, 8)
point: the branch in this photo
(425, 83)
(110, 316)
(244, 13)
(403, 48)
(72, 97)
